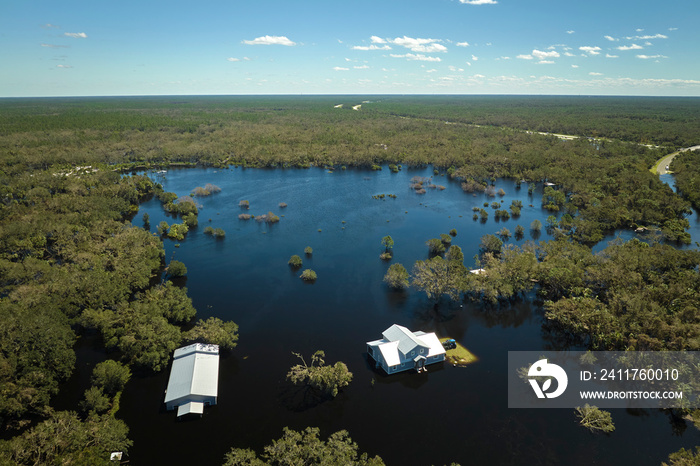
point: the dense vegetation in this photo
(686, 167)
(71, 262)
(297, 448)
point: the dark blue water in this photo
(450, 414)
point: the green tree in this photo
(64, 439)
(595, 419)
(110, 376)
(214, 331)
(177, 269)
(308, 275)
(490, 244)
(436, 277)
(435, 246)
(388, 243)
(326, 379)
(536, 225)
(295, 261)
(397, 277)
(95, 401)
(305, 448)
(684, 457)
(308, 250)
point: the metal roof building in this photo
(401, 350)
(194, 379)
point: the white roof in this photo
(193, 407)
(433, 343)
(407, 340)
(396, 336)
(195, 371)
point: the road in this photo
(666, 161)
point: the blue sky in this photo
(149, 47)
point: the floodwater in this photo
(449, 414)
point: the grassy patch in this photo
(459, 356)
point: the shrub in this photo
(385, 256)
(453, 232)
(244, 204)
(190, 220)
(295, 261)
(484, 214)
(519, 232)
(504, 233)
(446, 239)
(178, 231)
(308, 275)
(283, 204)
(308, 250)
(177, 269)
(209, 231)
(536, 225)
(501, 192)
(475, 217)
(219, 232)
(267, 218)
(244, 216)
(163, 227)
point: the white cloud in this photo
(75, 35)
(545, 62)
(418, 44)
(647, 37)
(233, 59)
(651, 57)
(524, 57)
(433, 70)
(270, 40)
(593, 73)
(607, 55)
(540, 55)
(340, 68)
(569, 54)
(478, 76)
(639, 29)
(672, 29)
(377, 40)
(590, 50)
(478, 2)
(475, 58)
(462, 44)
(611, 38)
(570, 32)
(361, 67)
(505, 58)
(630, 47)
(418, 57)
(53, 46)
(53, 26)
(454, 68)
(371, 47)
(63, 66)
(574, 66)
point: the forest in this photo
(72, 263)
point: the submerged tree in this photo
(326, 379)
(397, 277)
(595, 419)
(215, 331)
(388, 243)
(436, 277)
(304, 448)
